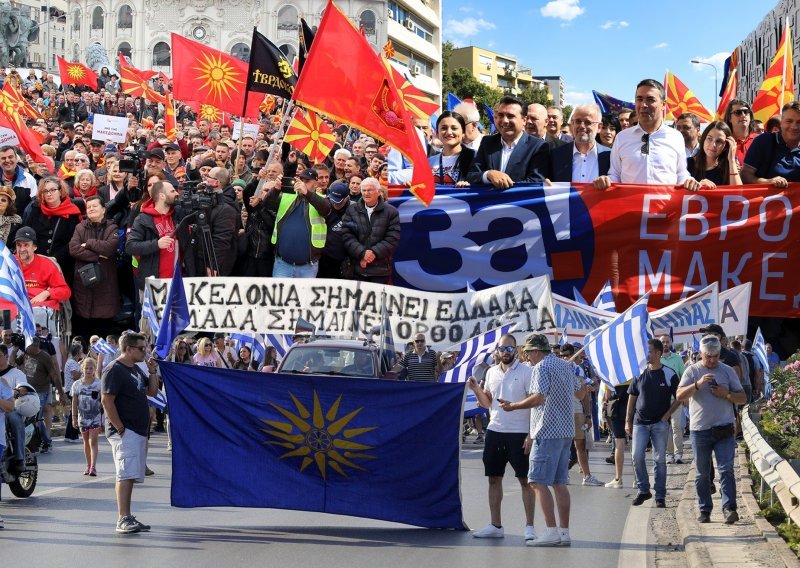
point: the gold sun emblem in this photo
(220, 76)
(76, 72)
(324, 439)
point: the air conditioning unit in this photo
(390, 14)
(409, 24)
(488, 65)
(415, 70)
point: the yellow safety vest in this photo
(319, 229)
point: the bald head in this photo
(536, 120)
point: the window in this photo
(485, 61)
(289, 51)
(62, 44)
(367, 22)
(288, 19)
(97, 18)
(161, 55)
(76, 53)
(485, 79)
(76, 20)
(241, 51)
(125, 18)
(54, 43)
(124, 49)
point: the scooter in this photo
(22, 483)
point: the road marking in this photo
(75, 486)
(633, 542)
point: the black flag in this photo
(306, 38)
(269, 70)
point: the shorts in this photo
(130, 455)
(550, 461)
(89, 428)
(580, 433)
(500, 448)
(618, 428)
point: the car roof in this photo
(335, 343)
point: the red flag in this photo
(11, 119)
(388, 49)
(268, 104)
(344, 79)
(311, 135)
(730, 87)
(76, 74)
(14, 98)
(134, 82)
(681, 99)
(413, 99)
(170, 123)
(778, 86)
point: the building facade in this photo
(140, 29)
(494, 69)
(555, 84)
(47, 34)
(758, 48)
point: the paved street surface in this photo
(70, 519)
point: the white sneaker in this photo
(551, 537)
(564, 535)
(592, 480)
(489, 531)
(670, 458)
(530, 532)
(615, 484)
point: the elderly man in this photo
(511, 155)
(582, 160)
(472, 135)
(650, 152)
(371, 234)
(536, 125)
(712, 390)
(17, 179)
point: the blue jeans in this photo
(703, 444)
(16, 428)
(283, 269)
(658, 434)
(40, 418)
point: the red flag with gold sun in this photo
(14, 98)
(76, 74)
(778, 86)
(170, 122)
(10, 118)
(268, 104)
(413, 99)
(311, 135)
(134, 82)
(681, 99)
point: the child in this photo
(86, 409)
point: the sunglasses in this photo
(741, 112)
(646, 144)
(419, 341)
(506, 348)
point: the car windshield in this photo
(329, 361)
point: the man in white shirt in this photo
(584, 159)
(472, 135)
(650, 152)
(507, 438)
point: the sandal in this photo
(86, 471)
(92, 472)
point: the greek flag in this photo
(159, 401)
(605, 299)
(473, 351)
(695, 344)
(387, 338)
(102, 346)
(760, 351)
(12, 288)
(254, 342)
(149, 313)
(578, 297)
(563, 339)
(280, 341)
(618, 349)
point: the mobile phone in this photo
(713, 382)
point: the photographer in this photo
(223, 222)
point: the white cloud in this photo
(461, 30)
(578, 97)
(613, 24)
(562, 9)
(661, 45)
(717, 60)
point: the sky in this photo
(609, 45)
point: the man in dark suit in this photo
(511, 155)
(582, 160)
(536, 125)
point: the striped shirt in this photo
(420, 367)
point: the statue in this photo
(97, 58)
(5, 21)
(22, 29)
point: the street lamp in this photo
(716, 86)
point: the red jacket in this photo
(43, 274)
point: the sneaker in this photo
(614, 484)
(142, 527)
(661, 504)
(564, 536)
(704, 517)
(670, 458)
(679, 459)
(530, 532)
(148, 472)
(551, 537)
(489, 531)
(92, 472)
(610, 459)
(46, 448)
(128, 525)
(479, 439)
(731, 516)
(592, 480)
(641, 498)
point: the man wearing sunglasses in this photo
(739, 118)
(421, 363)
(507, 440)
(650, 152)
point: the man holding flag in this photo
(507, 440)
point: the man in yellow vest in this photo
(300, 228)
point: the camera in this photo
(131, 162)
(197, 198)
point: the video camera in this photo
(131, 163)
(197, 198)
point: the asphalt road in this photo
(70, 521)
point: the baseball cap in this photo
(713, 328)
(536, 342)
(338, 192)
(96, 142)
(156, 153)
(25, 234)
(172, 146)
(309, 173)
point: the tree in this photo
(532, 94)
(567, 111)
(464, 85)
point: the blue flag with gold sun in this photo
(362, 447)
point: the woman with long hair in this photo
(181, 352)
(451, 165)
(206, 355)
(246, 361)
(609, 128)
(270, 359)
(715, 162)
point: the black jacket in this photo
(380, 234)
(260, 223)
(143, 243)
(224, 221)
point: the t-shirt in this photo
(655, 389)
(206, 360)
(512, 386)
(38, 369)
(705, 409)
(420, 367)
(445, 169)
(129, 385)
(769, 156)
(674, 362)
(12, 377)
(555, 379)
(89, 403)
(69, 368)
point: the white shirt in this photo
(585, 167)
(511, 386)
(370, 210)
(475, 144)
(665, 164)
(13, 378)
(505, 155)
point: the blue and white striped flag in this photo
(695, 344)
(159, 401)
(605, 299)
(618, 349)
(473, 350)
(280, 341)
(387, 338)
(760, 351)
(149, 313)
(563, 339)
(12, 288)
(578, 297)
(102, 346)
(254, 342)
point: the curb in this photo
(694, 548)
(769, 533)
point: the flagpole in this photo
(239, 144)
(276, 144)
(786, 48)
